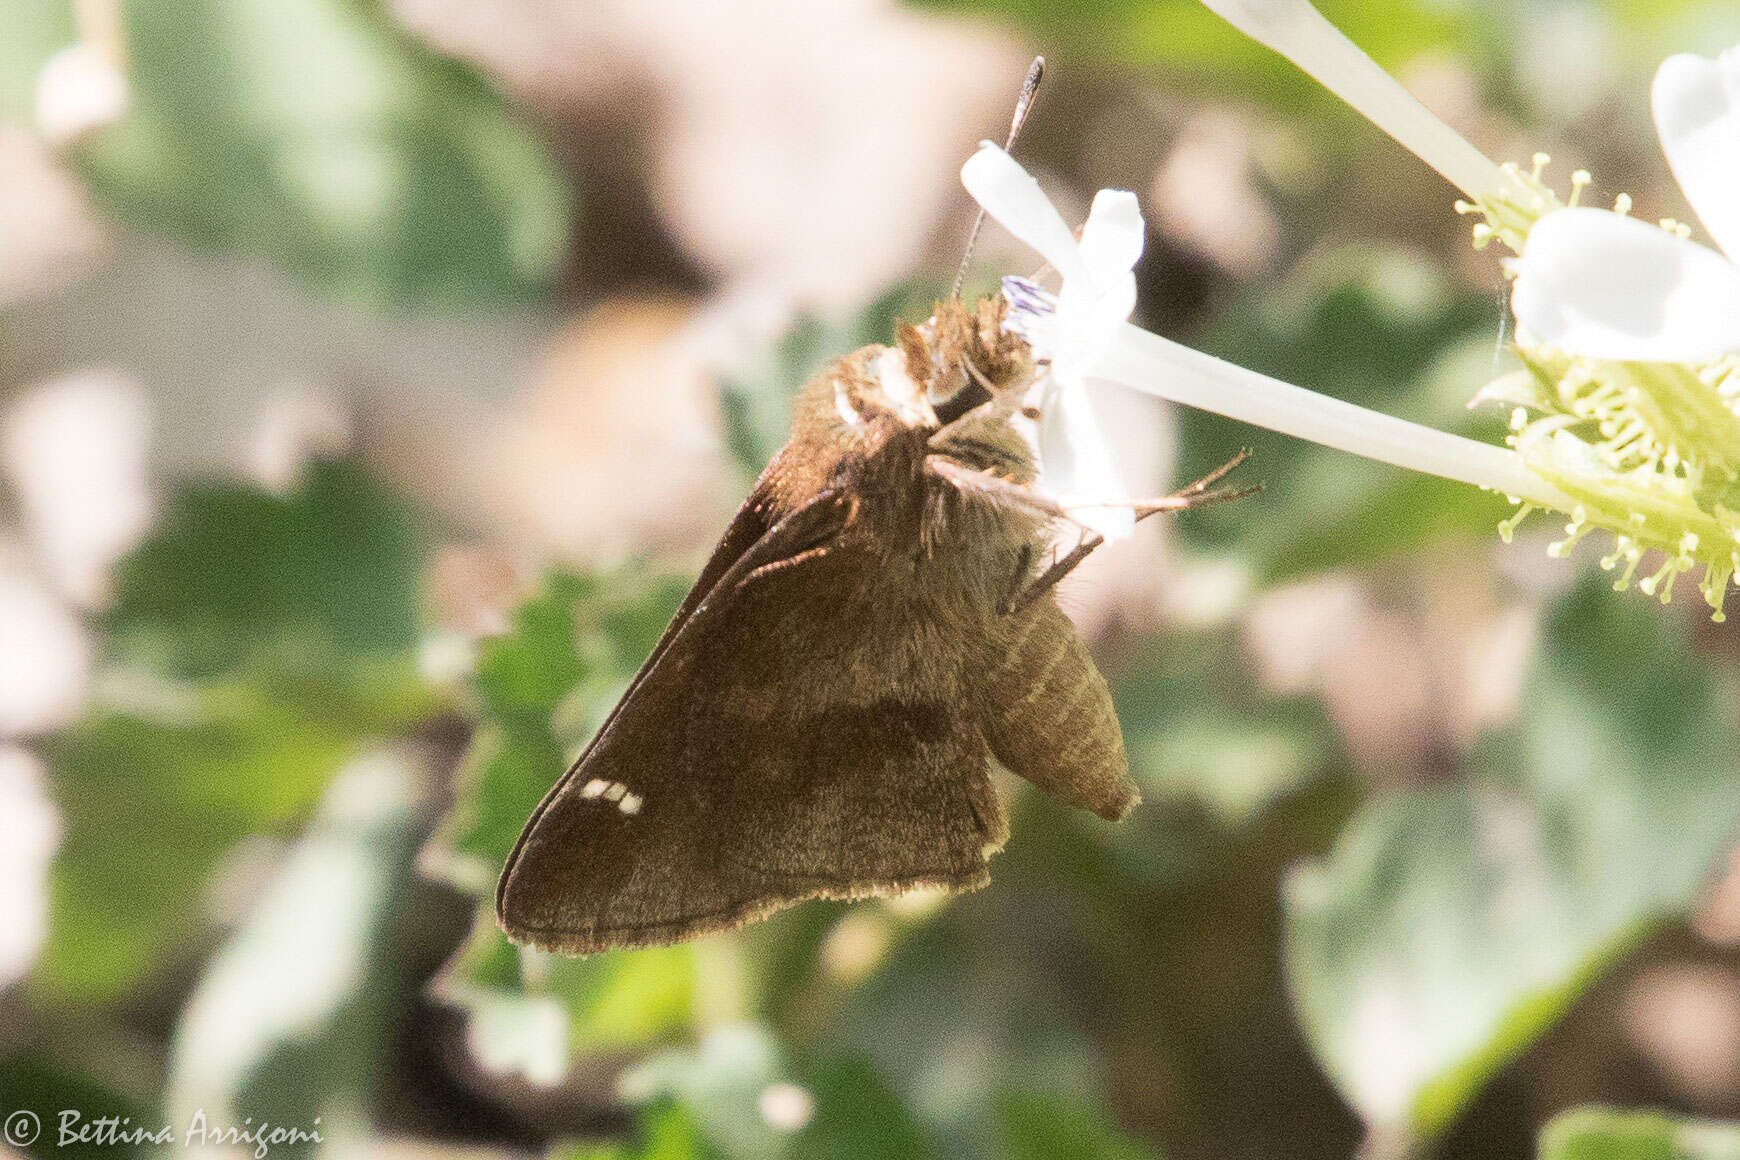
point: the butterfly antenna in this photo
(1023, 103)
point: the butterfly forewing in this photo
(742, 774)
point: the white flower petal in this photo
(1011, 195)
(1077, 464)
(1697, 114)
(1086, 326)
(1091, 310)
(1096, 298)
(1111, 238)
(1603, 285)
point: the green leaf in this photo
(149, 807)
(255, 644)
(289, 1022)
(233, 574)
(46, 1088)
(1597, 1133)
(1045, 1126)
(1450, 927)
(858, 1115)
(318, 135)
(666, 1131)
(34, 31)
(628, 998)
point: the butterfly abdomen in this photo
(1048, 715)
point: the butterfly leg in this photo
(817, 527)
(997, 489)
(1195, 495)
(1004, 491)
(1029, 590)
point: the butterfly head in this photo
(963, 356)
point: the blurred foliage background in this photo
(374, 375)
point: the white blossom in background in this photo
(52, 233)
(76, 450)
(786, 1107)
(515, 1035)
(45, 658)
(1208, 194)
(825, 213)
(80, 89)
(296, 424)
(1626, 414)
(29, 832)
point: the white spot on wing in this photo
(612, 791)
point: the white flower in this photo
(1615, 423)
(45, 656)
(1098, 294)
(1086, 337)
(77, 452)
(1599, 284)
(30, 830)
(79, 90)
